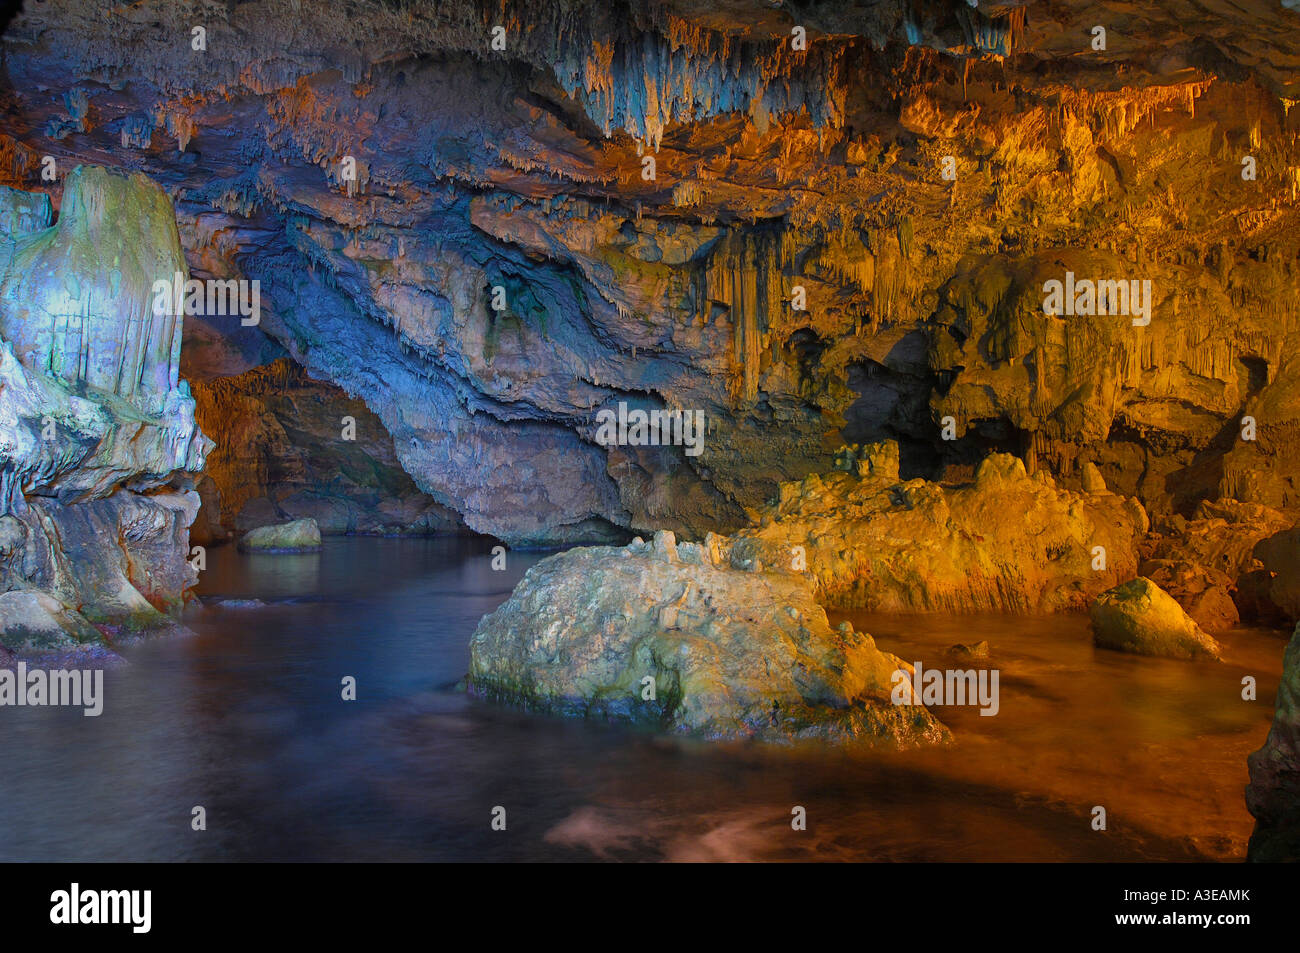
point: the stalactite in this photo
(744, 272)
(137, 131)
(101, 331)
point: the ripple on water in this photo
(245, 718)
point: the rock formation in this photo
(843, 239)
(1274, 792)
(677, 637)
(288, 447)
(1138, 616)
(1005, 541)
(98, 442)
(1230, 561)
(300, 536)
(37, 622)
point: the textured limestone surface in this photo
(1138, 616)
(37, 622)
(1273, 795)
(733, 653)
(299, 536)
(1005, 541)
(98, 440)
(824, 169)
(1231, 561)
(289, 447)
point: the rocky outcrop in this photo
(916, 173)
(1279, 580)
(1006, 541)
(1138, 616)
(1230, 562)
(98, 442)
(677, 637)
(300, 536)
(1273, 794)
(289, 447)
(35, 622)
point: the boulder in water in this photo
(299, 536)
(1138, 616)
(692, 645)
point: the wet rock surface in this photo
(36, 622)
(1273, 795)
(299, 536)
(1138, 616)
(731, 653)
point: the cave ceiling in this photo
(917, 169)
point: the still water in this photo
(245, 718)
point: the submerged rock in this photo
(1273, 795)
(299, 536)
(1140, 617)
(974, 651)
(732, 654)
(37, 622)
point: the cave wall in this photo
(288, 447)
(99, 447)
(775, 168)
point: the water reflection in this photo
(245, 718)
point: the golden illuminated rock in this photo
(1006, 541)
(1138, 616)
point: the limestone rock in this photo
(733, 654)
(1093, 481)
(1273, 794)
(1004, 542)
(281, 455)
(519, 170)
(77, 299)
(37, 622)
(98, 441)
(1138, 616)
(299, 536)
(1279, 555)
(1214, 563)
(1204, 592)
(22, 213)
